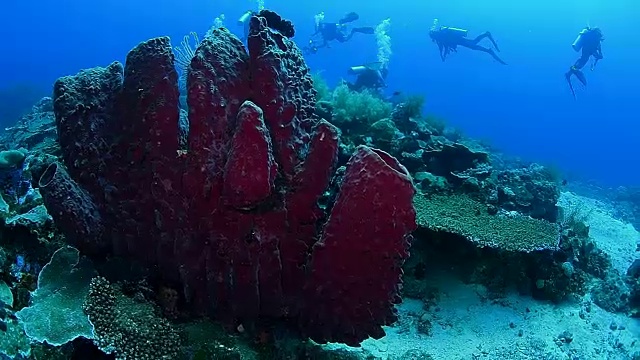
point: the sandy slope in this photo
(616, 238)
(467, 325)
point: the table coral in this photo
(462, 215)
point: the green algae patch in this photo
(462, 215)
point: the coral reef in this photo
(532, 190)
(438, 157)
(28, 235)
(628, 201)
(633, 283)
(205, 340)
(13, 342)
(509, 251)
(242, 203)
(497, 222)
(35, 131)
(15, 186)
(234, 220)
(11, 159)
(450, 159)
(351, 109)
(546, 275)
(611, 294)
(126, 328)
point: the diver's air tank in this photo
(455, 31)
(245, 17)
(577, 43)
(356, 70)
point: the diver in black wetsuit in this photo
(369, 77)
(448, 40)
(330, 31)
(274, 22)
(590, 42)
(244, 22)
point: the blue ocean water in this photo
(524, 109)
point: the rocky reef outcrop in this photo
(35, 131)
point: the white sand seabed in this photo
(616, 238)
(468, 326)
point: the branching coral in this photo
(357, 108)
(323, 92)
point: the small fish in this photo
(3, 326)
(564, 182)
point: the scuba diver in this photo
(330, 31)
(589, 40)
(274, 22)
(244, 22)
(369, 77)
(448, 40)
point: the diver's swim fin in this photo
(364, 30)
(350, 17)
(568, 77)
(580, 75)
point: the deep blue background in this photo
(524, 108)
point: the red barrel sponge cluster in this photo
(235, 218)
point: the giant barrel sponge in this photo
(234, 220)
